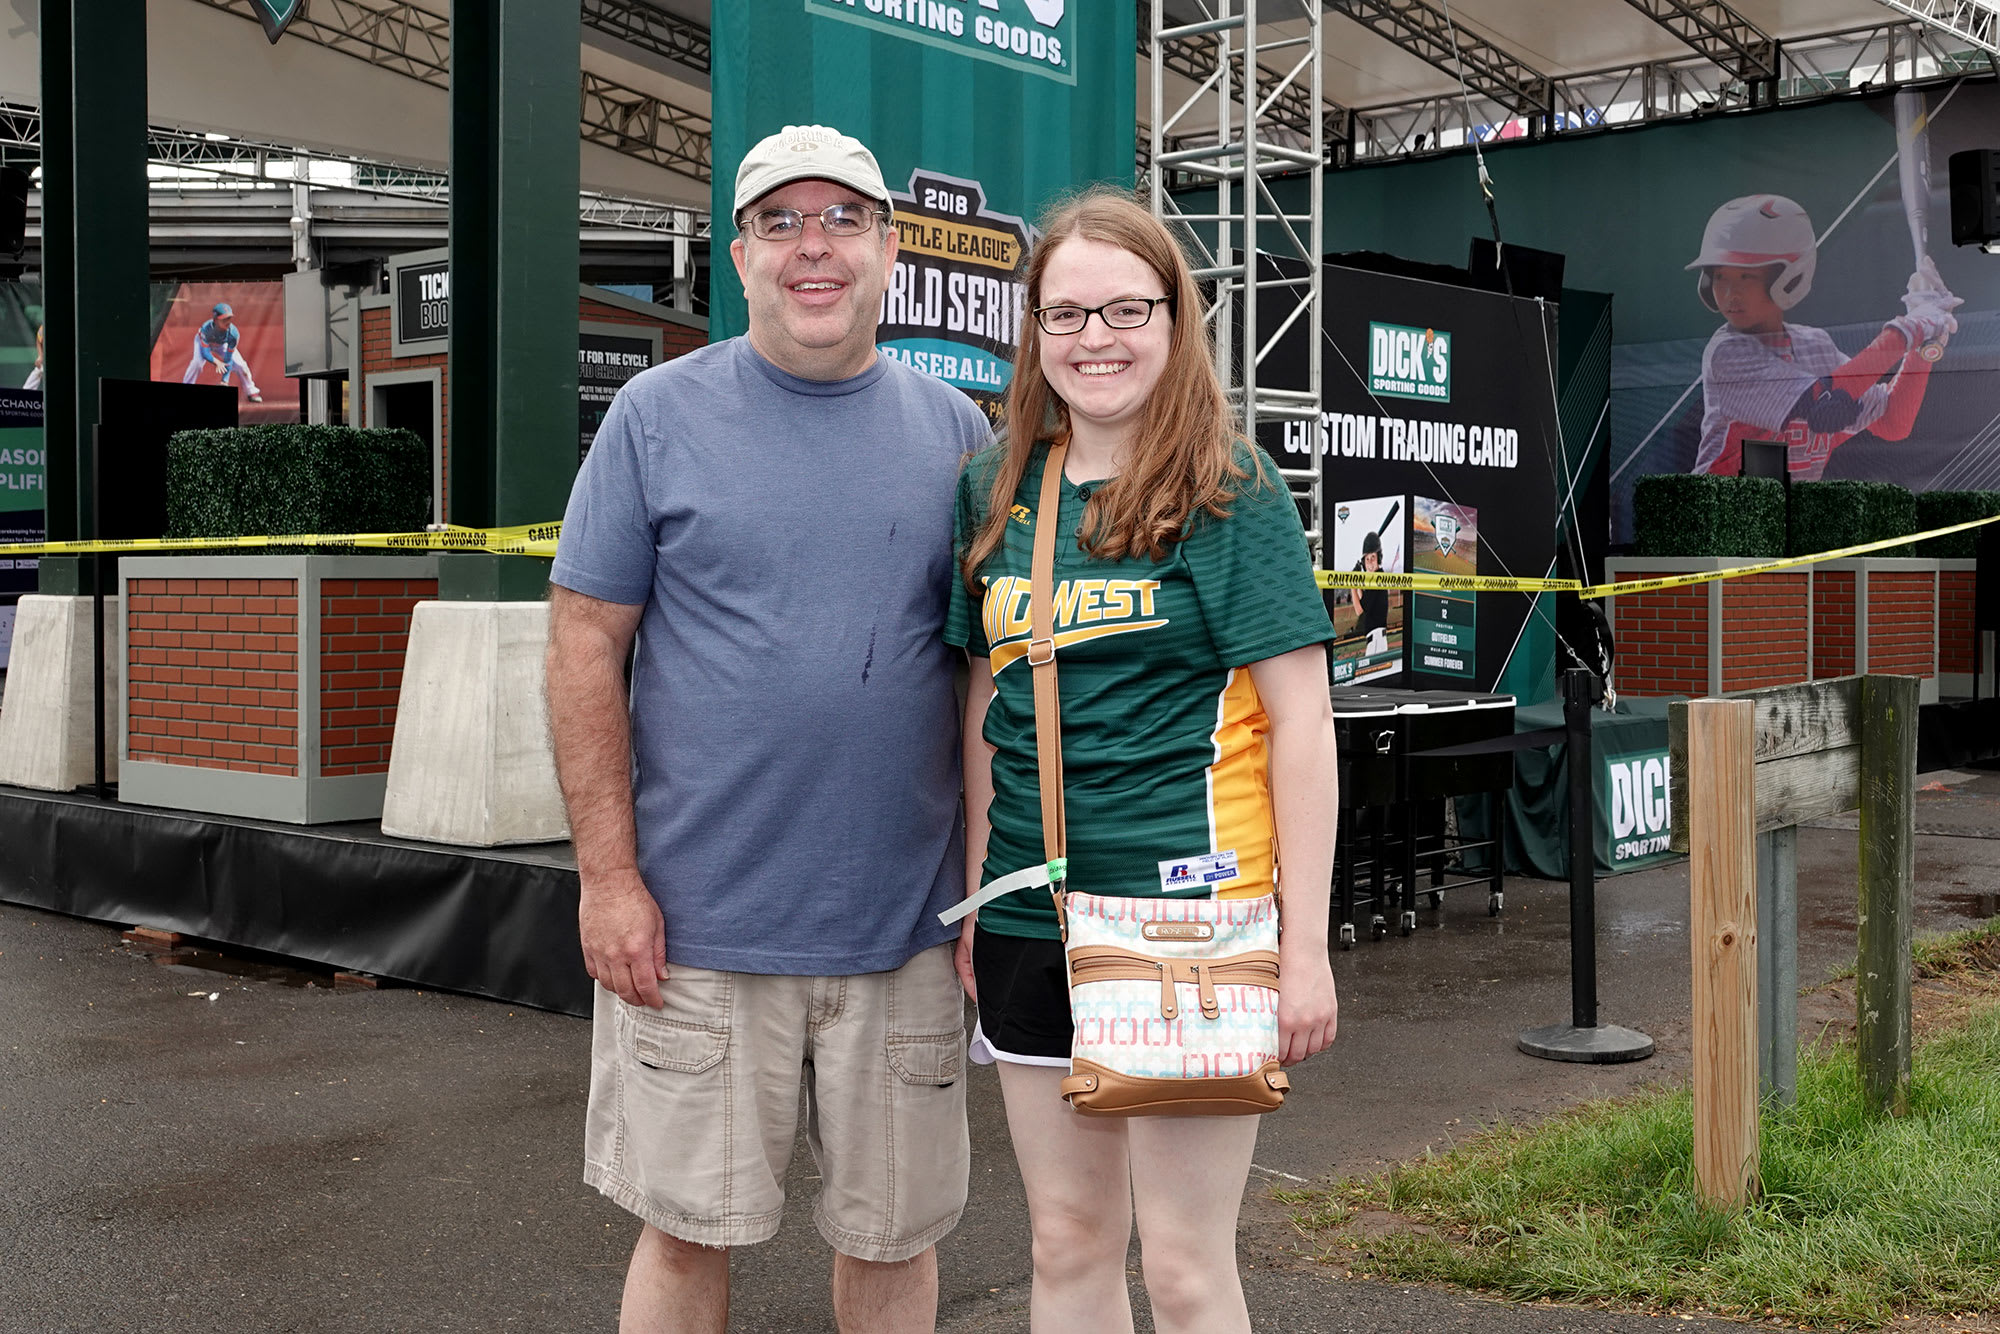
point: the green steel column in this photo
(95, 264)
(512, 450)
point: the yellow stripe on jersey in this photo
(1239, 786)
(1005, 654)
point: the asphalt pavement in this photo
(213, 1145)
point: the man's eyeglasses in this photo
(786, 224)
(1129, 312)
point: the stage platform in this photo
(495, 922)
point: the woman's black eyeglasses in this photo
(1127, 312)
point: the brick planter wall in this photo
(212, 673)
(265, 686)
(1705, 639)
(1833, 623)
(364, 629)
(1880, 615)
(1957, 638)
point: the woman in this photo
(1196, 732)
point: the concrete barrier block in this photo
(472, 764)
(46, 725)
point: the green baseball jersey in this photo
(1165, 762)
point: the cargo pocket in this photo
(936, 1059)
(660, 1043)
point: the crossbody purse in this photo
(1174, 1001)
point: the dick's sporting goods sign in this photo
(1035, 36)
(1637, 795)
(1409, 363)
(979, 111)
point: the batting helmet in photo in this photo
(1759, 231)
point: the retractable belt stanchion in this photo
(1583, 1038)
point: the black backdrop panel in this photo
(135, 418)
(1439, 391)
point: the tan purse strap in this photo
(1042, 657)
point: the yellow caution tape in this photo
(1765, 567)
(527, 539)
(1474, 583)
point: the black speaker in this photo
(1519, 269)
(1767, 458)
(13, 210)
(1975, 196)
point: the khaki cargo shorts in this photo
(694, 1108)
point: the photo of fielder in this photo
(1766, 378)
(1367, 622)
(215, 345)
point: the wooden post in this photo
(1723, 927)
(1888, 869)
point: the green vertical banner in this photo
(980, 113)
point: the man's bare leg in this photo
(676, 1287)
(895, 1298)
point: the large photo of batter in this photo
(1816, 302)
(1368, 623)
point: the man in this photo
(215, 344)
(764, 852)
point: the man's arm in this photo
(624, 936)
(977, 772)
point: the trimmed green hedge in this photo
(1694, 514)
(288, 478)
(1941, 509)
(1825, 516)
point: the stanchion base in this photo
(1607, 1044)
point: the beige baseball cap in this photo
(808, 153)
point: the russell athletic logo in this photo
(1409, 363)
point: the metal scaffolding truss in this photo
(1974, 21)
(1247, 70)
(416, 43)
(1293, 110)
(1426, 33)
(1733, 42)
(1809, 68)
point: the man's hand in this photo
(1308, 1009)
(624, 939)
(961, 959)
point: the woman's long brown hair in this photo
(1181, 459)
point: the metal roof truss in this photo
(1809, 69)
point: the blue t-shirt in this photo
(794, 723)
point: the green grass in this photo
(1859, 1220)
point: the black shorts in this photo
(1023, 994)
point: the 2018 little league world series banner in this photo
(979, 111)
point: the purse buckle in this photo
(1041, 652)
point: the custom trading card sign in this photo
(979, 114)
(1444, 395)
